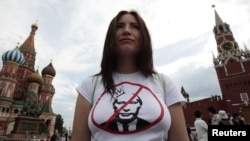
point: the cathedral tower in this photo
(12, 59)
(26, 69)
(47, 90)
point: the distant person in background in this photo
(190, 135)
(237, 119)
(230, 117)
(214, 120)
(201, 126)
(55, 136)
(224, 119)
(66, 136)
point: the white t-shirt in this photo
(136, 111)
(201, 129)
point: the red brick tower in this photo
(26, 69)
(232, 66)
(46, 95)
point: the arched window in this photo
(1, 90)
(215, 31)
(221, 28)
(16, 111)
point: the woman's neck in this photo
(126, 66)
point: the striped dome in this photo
(14, 56)
(35, 78)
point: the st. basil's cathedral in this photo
(19, 79)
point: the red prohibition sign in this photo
(105, 125)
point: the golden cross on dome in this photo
(18, 43)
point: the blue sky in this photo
(72, 32)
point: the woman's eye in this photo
(119, 26)
(135, 26)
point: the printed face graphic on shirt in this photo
(130, 112)
(120, 112)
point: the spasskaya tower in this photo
(232, 65)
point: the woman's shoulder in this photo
(163, 77)
(86, 87)
(88, 81)
(90, 78)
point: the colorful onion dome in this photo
(35, 78)
(14, 56)
(49, 70)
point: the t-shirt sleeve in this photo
(172, 94)
(85, 89)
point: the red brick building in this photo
(232, 65)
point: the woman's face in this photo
(127, 36)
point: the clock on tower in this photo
(226, 45)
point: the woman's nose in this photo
(127, 30)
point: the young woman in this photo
(128, 99)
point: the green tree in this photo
(59, 124)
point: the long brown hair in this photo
(145, 56)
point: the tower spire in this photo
(218, 20)
(29, 42)
(213, 55)
(28, 49)
(245, 47)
